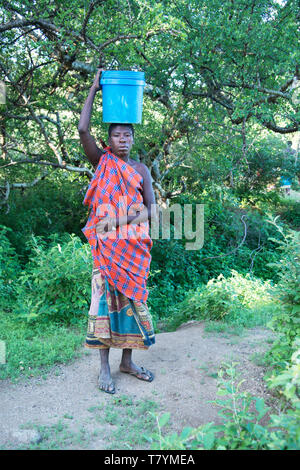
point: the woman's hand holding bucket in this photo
(96, 85)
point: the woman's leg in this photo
(105, 380)
(129, 367)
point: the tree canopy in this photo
(217, 72)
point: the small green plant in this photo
(241, 427)
(57, 437)
(125, 420)
(242, 418)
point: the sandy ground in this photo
(185, 364)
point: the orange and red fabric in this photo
(122, 255)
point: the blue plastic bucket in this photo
(122, 96)
(284, 181)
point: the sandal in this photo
(141, 375)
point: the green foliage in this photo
(289, 212)
(243, 419)
(33, 349)
(170, 275)
(289, 379)
(9, 268)
(207, 73)
(53, 207)
(268, 160)
(286, 321)
(232, 299)
(235, 239)
(288, 383)
(40, 303)
(55, 286)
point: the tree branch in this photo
(92, 5)
(235, 249)
(63, 165)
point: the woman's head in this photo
(113, 125)
(120, 138)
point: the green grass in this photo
(58, 437)
(259, 359)
(250, 318)
(223, 328)
(126, 421)
(133, 423)
(120, 424)
(34, 349)
(208, 369)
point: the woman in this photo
(122, 202)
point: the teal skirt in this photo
(116, 321)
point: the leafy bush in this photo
(286, 321)
(288, 383)
(55, 286)
(54, 206)
(242, 417)
(175, 270)
(230, 299)
(289, 212)
(9, 268)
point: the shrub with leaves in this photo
(223, 298)
(286, 321)
(54, 206)
(56, 283)
(288, 384)
(241, 415)
(9, 268)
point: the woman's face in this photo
(121, 141)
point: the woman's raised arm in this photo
(92, 151)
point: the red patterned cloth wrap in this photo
(122, 255)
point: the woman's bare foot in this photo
(105, 381)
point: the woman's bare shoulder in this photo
(140, 167)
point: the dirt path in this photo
(73, 414)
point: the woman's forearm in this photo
(86, 112)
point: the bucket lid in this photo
(122, 74)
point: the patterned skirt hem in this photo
(116, 321)
(123, 346)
